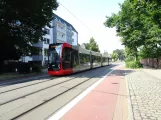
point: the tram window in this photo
(88, 58)
(84, 58)
(93, 58)
(81, 58)
(99, 59)
(96, 59)
(66, 58)
(104, 59)
(75, 58)
(66, 54)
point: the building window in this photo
(46, 52)
(36, 51)
(58, 25)
(47, 31)
(40, 51)
(62, 27)
(68, 30)
(46, 40)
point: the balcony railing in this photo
(37, 57)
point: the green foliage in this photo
(150, 51)
(92, 45)
(21, 24)
(114, 56)
(131, 63)
(120, 53)
(138, 23)
(131, 52)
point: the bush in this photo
(133, 64)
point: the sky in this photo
(87, 17)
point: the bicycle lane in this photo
(106, 101)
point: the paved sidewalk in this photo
(153, 72)
(108, 101)
(145, 92)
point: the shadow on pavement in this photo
(93, 73)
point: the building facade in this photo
(60, 32)
(64, 31)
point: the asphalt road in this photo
(40, 98)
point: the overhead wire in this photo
(75, 17)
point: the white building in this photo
(64, 31)
(61, 31)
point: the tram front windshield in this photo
(54, 57)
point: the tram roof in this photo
(82, 50)
(105, 56)
(96, 53)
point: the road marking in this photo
(67, 107)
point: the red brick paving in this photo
(100, 103)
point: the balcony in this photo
(37, 57)
(39, 44)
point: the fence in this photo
(152, 62)
(20, 67)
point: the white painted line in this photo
(67, 107)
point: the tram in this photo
(65, 59)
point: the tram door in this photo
(70, 59)
(75, 60)
(66, 58)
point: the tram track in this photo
(50, 99)
(29, 80)
(50, 86)
(6, 84)
(32, 84)
(24, 86)
(48, 79)
(3, 103)
(44, 100)
(19, 87)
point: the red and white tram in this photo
(64, 59)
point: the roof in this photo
(64, 21)
(96, 53)
(82, 50)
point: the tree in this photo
(128, 25)
(120, 53)
(138, 23)
(22, 25)
(92, 45)
(114, 56)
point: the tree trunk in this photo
(157, 62)
(136, 54)
(157, 57)
(1, 65)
